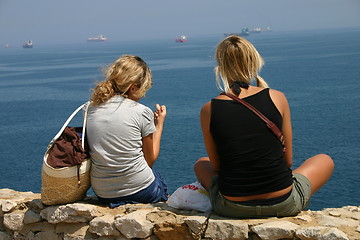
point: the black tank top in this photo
(251, 156)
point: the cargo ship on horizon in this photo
(182, 38)
(247, 31)
(244, 32)
(100, 38)
(28, 44)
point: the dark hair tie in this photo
(139, 59)
(236, 86)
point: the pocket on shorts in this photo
(303, 188)
(289, 207)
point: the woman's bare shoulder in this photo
(277, 95)
(280, 101)
(206, 107)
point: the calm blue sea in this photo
(319, 71)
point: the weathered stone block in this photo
(72, 228)
(46, 236)
(31, 217)
(37, 227)
(321, 233)
(329, 221)
(304, 218)
(70, 213)
(226, 230)
(135, 225)
(104, 226)
(173, 231)
(7, 205)
(74, 231)
(161, 216)
(36, 205)
(196, 224)
(14, 221)
(275, 230)
(129, 208)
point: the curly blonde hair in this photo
(238, 61)
(120, 75)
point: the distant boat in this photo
(100, 38)
(256, 30)
(268, 29)
(7, 46)
(244, 32)
(28, 44)
(181, 39)
(247, 31)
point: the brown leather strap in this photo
(269, 123)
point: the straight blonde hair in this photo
(238, 61)
(120, 75)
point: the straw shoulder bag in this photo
(68, 183)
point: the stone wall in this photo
(23, 216)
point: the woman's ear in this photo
(133, 88)
(132, 92)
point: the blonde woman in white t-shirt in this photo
(124, 136)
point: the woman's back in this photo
(124, 136)
(115, 131)
(246, 172)
(250, 155)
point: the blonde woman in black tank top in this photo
(246, 172)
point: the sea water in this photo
(319, 72)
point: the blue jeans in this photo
(156, 192)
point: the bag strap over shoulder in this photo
(84, 123)
(272, 126)
(84, 106)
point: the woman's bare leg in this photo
(317, 169)
(204, 172)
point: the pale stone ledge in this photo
(23, 216)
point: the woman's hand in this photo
(159, 114)
(151, 143)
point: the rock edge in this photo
(23, 216)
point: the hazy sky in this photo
(75, 20)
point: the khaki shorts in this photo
(295, 203)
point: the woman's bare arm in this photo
(208, 140)
(151, 143)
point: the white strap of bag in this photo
(84, 124)
(69, 120)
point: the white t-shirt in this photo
(114, 133)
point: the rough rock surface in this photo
(23, 216)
